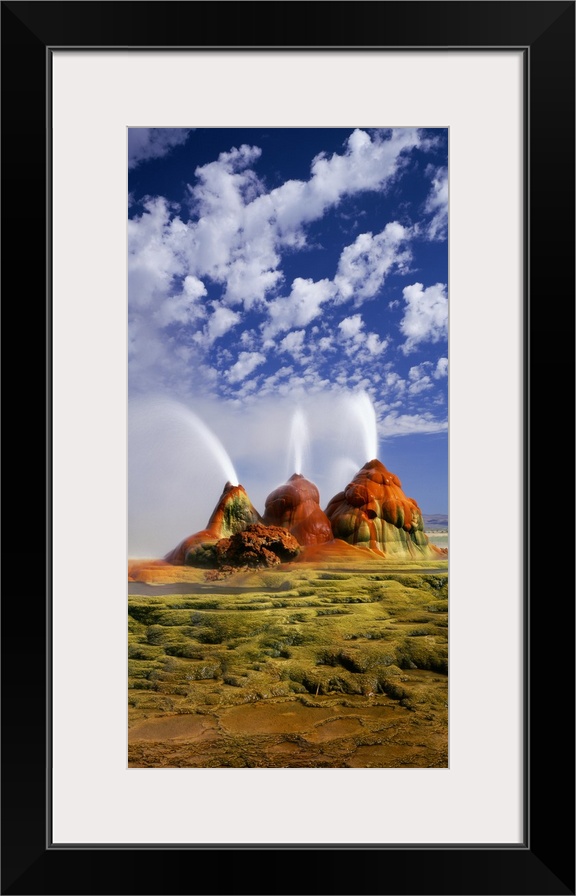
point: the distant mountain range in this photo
(435, 520)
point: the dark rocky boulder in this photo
(257, 545)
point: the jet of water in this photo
(360, 404)
(177, 468)
(345, 470)
(214, 445)
(299, 442)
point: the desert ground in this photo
(337, 664)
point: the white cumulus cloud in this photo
(152, 261)
(222, 320)
(246, 363)
(237, 231)
(437, 206)
(364, 264)
(350, 327)
(395, 424)
(441, 368)
(300, 307)
(226, 259)
(425, 316)
(153, 143)
(182, 308)
(293, 343)
(358, 341)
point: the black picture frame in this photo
(544, 863)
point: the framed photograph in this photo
(385, 104)
(287, 599)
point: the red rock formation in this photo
(374, 512)
(257, 545)
(296, 506)
(232, 514)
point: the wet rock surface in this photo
(374, 512)
(296, 506)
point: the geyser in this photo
(176, 469)
(362, 410)
(299, 442)
(371, 512)
(213, 443)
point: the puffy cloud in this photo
(362, 268)
(241, 229)
(325, 344)
(198, 272)
(299, 308)
(229, 241)
(374, 345)
(270, 383)
(368, 163)
(153, 143)
(193, 287)
(425, 316)
(248, 339)
(238, 230)
(395, 424)
(293, 343)
(152, 262)
(419, 370)
(351, 326)
(394, 382)
(364, 264)
(246, 363)
(222, 320)
(352, 330)
(420, 385)
(182, 308)
(437, 206)
(441, 368)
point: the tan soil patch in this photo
(272, 718)
(181, 727)
(334, 729)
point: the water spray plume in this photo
(177, 469)
(299, 441)
(363, 410)
(215, 446)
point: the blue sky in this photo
(288, 306)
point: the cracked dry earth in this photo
(325, 732)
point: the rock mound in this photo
(296, 507)
(373, 512)
(232, 514)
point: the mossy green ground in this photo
(343, 642)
